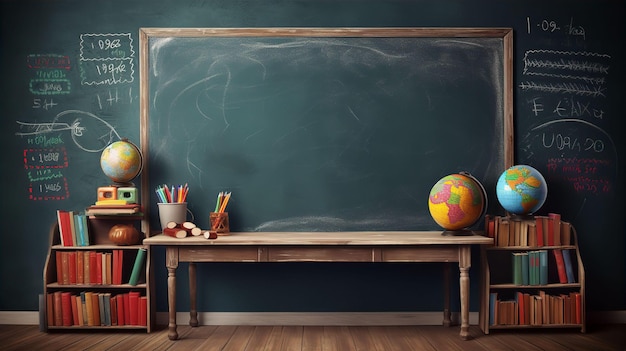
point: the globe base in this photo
(461, 232)
(521, 217)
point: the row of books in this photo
(535, 309)
(100, 268)
(534, 231)
(66, 309)
(73, 228)
(531, 267)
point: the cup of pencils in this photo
(219, 217)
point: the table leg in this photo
(446, 295)
(464, 266)
(193, 312)
(171, 258)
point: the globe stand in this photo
(521, 217)
(462, 232)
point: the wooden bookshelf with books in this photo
(533, 276)
(90, 282)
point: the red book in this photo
(99, 268)
(560, 265)
(66, 305)
(58, 309)
(71, 259)
(116, 280)
(59, 258)
(133, 307)
(80, 267)
(579, 307)
(50, 309)
(93, 267)
(550, 231)
(127, 308)
(539, 226)
(74, 310)
(95, 306)
(556, 230)
(143, 311)
(521, 308)
(65, 230)
(120, 310)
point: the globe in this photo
(121, 161)
(457, 201)
(521, 190)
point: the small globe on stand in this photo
(121, 161)
(521, 190)
(457, 202)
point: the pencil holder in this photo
(219, 223)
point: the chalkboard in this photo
(323, 129)
(101, 40)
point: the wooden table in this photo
(396, 246)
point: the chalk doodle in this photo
(94, 138)
(578, 72)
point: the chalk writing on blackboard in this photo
(549, 25)
(565, 92)
(106, 59)
(50, 74)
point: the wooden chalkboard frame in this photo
(505, 34)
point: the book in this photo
(84, 308)
(517, 268)
(493, 301)
(97, 210)
(66, 308)
(569, 269)
(556, 231)
(102, 306)
(143, 311)
(525, 268)
(543, 267)
(113, 301)
(560, 265)
(539, 230)
(106, 299)
(133, 307)
(79, 310)
(58, 309)
(120, 310)
(72, 225)
(65, 233)
(50, 309)
(89, 308)
(137, 267)
(74, 310)
(95, 307)
(71, 260)
(566, 233)
(80, 267)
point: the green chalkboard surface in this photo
(347, 153)
(324, 129)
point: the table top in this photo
(363, 238)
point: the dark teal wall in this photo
(592, 201)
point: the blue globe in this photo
(521, 190)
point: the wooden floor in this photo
(276, 338)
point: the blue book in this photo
(569, 270)
(493, 300)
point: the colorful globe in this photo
(521, 190)
(457, 201)
(121, 161)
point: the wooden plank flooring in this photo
(312, 338)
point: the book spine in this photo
(543, 267)
(560, 265)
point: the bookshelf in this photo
(532, 292)
(118, 291)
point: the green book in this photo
(517, 268)
(525, 267)
(137, 266)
